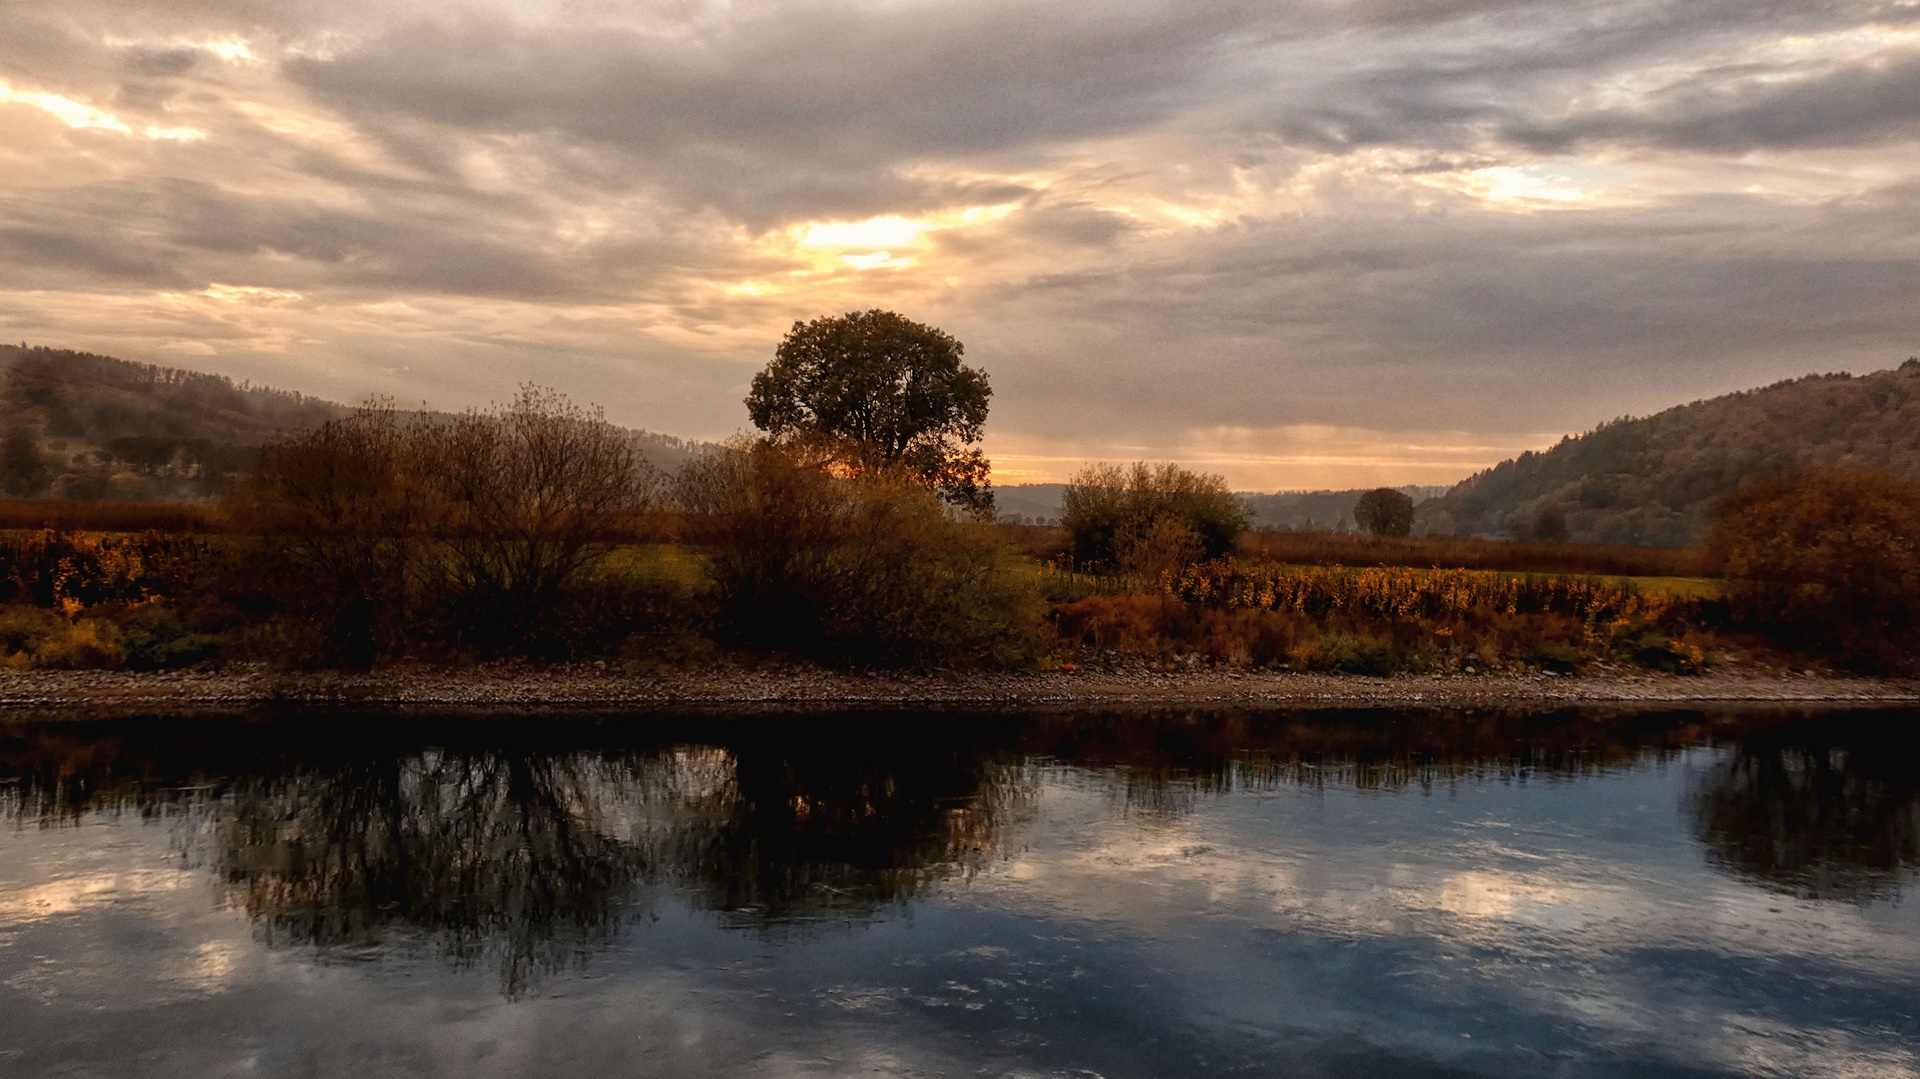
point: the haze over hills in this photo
(83, 426)
(1654, 480)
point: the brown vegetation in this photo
(868, 569)
(34, 514)
(1140, 520)
(1467, 552)
(1380, 621)
(382, 534)
(480, 530)
(1828, 559)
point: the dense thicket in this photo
(1828, 559)
(483, 530)
(1143, 519)
(865, 569)
(1656, 479)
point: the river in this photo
(950, 893)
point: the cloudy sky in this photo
(1304, 243)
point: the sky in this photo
(1320, 243)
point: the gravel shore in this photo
(82, 693)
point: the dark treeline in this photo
(523, 846)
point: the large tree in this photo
(874, 390)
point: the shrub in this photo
(37, 638)
(155, 638)
(1670, 654)
(1829, 560)
(1351, 653)
(481, 530)
(1120, 623)
(1110, 514)
(1557, 656)
(338, 512)
(869, 569)
(517, 497)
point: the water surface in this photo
(1065, 894)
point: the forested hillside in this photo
(77, 425)
(74, 425)
(1654, 480)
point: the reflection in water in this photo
(1805, 814)
(494, 853)
(527, 849)
(533, 854)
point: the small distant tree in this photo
(875, 391)
(1384, 511)
(1138, 517)
(23, 472)
(1550, 522)
(1827, 559)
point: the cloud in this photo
(1455, 224)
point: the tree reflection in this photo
(527, 846)
(531, 856)
(497, 855)
(1815, 812)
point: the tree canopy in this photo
(874, 390)
(1384, 511)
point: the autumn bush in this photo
(863, 570)
(75, 599)
(1827, 560)
(1142, 519)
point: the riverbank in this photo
(522, 686)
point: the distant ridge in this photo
(80, 395)
(1654, 480)
(77, 425)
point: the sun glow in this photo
(250, 294)
(871, 234)
(79, 115)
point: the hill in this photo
(75, 425)
(1654, 480)
(78, 425)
